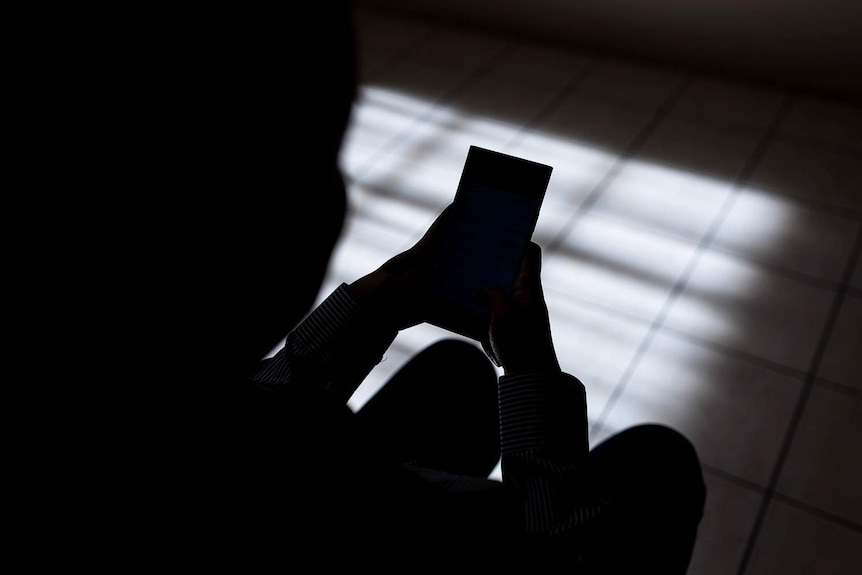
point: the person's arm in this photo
(335, 347)
(332, 350)
(543, 413)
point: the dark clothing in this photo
(412, 465)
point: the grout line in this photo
(777, 269)
(634, 146)
(810, 509)
(453, 93)
(820, 145)
(836, 387)
(731, 478)
(819, 513)
(735, 353)
(801, 277)
(718, 348)
(555, 102)
(816, 205)
(704, 242)
(796, 418)
(843, 289)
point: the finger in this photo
(529, 274)
(489, 351)
(433, 230)
(497, 299)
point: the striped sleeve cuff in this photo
(333, 348)
(325, 322)
(309, 338)
(538, 411)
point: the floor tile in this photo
(354, 257)
(824, 121)
(728, 519)
(427, 94)
(428, 83)
(736, 414)
(443, 138)
(503, 100)
(668, 199)
(439, 66)
(378, 117)
(777, 231)
(711, 151)
(842, 361)
(578, 167)
(408, 176)
(459, 49)
(594, 123)
(746, 307)
(826, 177)
(543, 67)
(823, 467)
(856, 280)
(794, 542)
(636, 85)
(554, 217)
(618, 266)
(729, 103)
(381, 36)
(355, 158)
(592, 345)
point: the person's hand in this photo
(519, 336)
(395, 291)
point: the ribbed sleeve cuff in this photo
(538, 411)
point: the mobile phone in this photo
(484, 236)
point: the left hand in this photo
(396, 290)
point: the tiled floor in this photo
(702, 242)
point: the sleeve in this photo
(332, 350)
(545, 449)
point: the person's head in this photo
(235, 137)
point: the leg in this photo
(653, 477)
(439, 411)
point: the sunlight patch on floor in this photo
(606, 282)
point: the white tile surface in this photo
(611, 264)
(823, 121)
(793, 542)
(578, 166)
(545, 67)
(608, 281)
(728, 519)
(756, 311)
(827, 177)
(632, 84)
(729, 103)
(773, 229)
(736, 414)
(856, 280)
(593, 123)
(823, 467)
(669, 199)
(709, 150)
(842, 360)
(594, 346)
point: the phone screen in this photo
(491, 221)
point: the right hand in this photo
(519, 336)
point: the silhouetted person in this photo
(220, 458)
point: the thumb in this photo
(497, 299)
